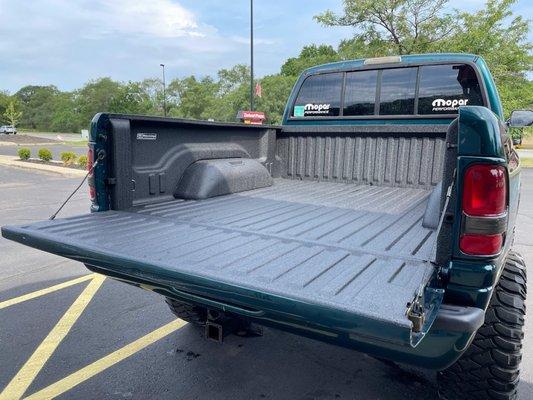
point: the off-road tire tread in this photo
(490, 367)
(192, 314)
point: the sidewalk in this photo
(12, 161)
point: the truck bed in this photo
(357, 248)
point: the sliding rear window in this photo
(418, 90)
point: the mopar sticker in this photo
(316, 109)
(448, 105)
(146, 136)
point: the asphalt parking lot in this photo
(119, 342)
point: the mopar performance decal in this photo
(146, 136)
(448, 105)
(316, 109)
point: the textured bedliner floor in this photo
(358, 248)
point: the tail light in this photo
(481, 244)
(484, 206)
(90, 178)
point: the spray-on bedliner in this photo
(358, 248)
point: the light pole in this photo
(251, 55)
(164, 92)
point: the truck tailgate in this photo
(273, 249)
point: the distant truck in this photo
(7, 129)
(380, 216)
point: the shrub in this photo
(45, 154)
(24, 153)
(68, 157)
(82, 161)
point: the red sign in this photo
(251, 117)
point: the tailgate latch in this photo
(415, 313)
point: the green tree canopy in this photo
(196, 97)
(12, 113)
(37, 104)
(276, 91)
(4, 101)
(231, 79)
(407, 26)
(309, 56)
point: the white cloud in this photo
(155, 18)
(67, 42)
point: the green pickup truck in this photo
(380, 217)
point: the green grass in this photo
(30, 131)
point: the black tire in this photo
(192, 314)
(490, 367)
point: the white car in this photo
(7, 129)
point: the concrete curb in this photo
(31, 144)
(12, 161)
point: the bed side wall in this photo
(149, 156)
(378, 156)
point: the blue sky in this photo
(68, 42)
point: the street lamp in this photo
(164, 92)
(251, 55)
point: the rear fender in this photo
(480, 140)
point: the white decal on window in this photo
(316, 109)
(448, 105)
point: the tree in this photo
(360, 47)
(309, 56)
(136, 98)
(276, 91)
(96, 96)
(4, 101)
(231, 79)
(196, 97)
(37, 105)
(408, 26)
(65, 116)
(12, 114)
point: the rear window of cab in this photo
(419, 90)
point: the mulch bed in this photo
(22, 139)
(53, 163)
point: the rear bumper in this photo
(448, 338)
(454, 318)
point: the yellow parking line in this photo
(23, 379)
(42, 292)
(104, 363)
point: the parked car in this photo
(7, 129)
(380, 216)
